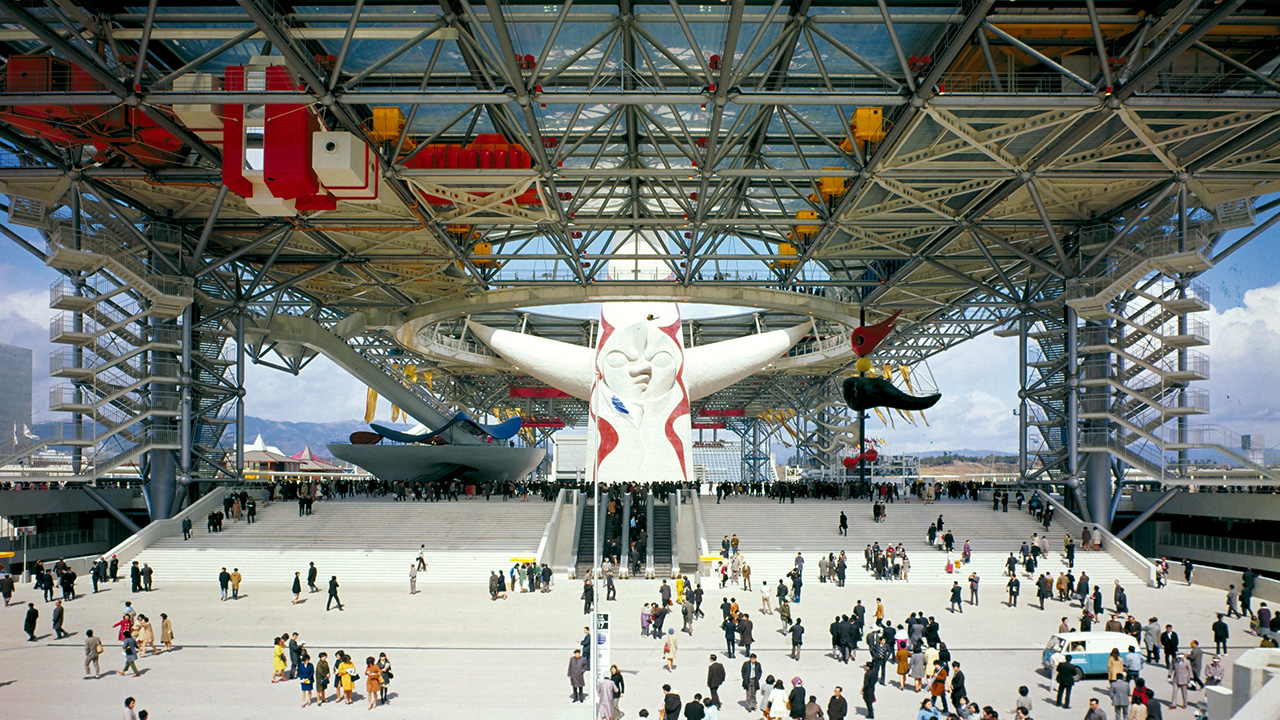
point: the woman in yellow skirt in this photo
(345, 669)
(279, 664)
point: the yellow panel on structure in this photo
(480, 255)
(831, 187)
(788, 259)
(868, 124)
(387, 123)
(806, 232)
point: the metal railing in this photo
(1214, 543)
(100, 244)
(1104, 367)
(56, 539)
(459, 344)
(1221, 436)
(834, 341)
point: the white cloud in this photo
(322, 392)
(1244, 384)
(978, 380)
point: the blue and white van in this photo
(1088, 650)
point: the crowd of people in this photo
(915, 648)
(290, 660)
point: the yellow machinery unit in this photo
(805, 233)
(831, 188)
(787, 259)
(482, 256)
(867, 127)
(388, 122)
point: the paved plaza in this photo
(453, 650)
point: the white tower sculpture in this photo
(640, 378)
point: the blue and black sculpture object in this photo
(863, 393)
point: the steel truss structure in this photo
(967, 163)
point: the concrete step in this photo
(359, 540)
(770, 533)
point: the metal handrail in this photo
(1214, 543)
(119, 253)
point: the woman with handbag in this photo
(166, 632)
(373, 681)
(385, 666)
(347, 676)
(146, 636)
(279, 666)
(322, 677)
(619, 687)
(669, 649)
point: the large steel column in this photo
(862, 420)
(240, 396)
(77, 324)
(1183, 457)
(1073, 393)
(1097, 463)
(185, 440)
(163, 477)
(1023, 465)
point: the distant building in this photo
(15, 396)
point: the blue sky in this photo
(978, 379)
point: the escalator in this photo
(586, 535)
(611, 537)
(661, 539)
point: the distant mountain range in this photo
(290, 437)
(969, 453)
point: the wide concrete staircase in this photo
(359, 540)
(770, 534)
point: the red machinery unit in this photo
(535, 392)
(486, 152)
(111, 130)
(729, 412)
(280, 158)
(267, 148)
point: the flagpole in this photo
(595, 598)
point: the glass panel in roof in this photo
(364, 53)
(237, 55)
(431, 118)
(572, 38)
(872, 43)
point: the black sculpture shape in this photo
(862, 393)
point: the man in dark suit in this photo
(1066, 677)
(869, 689)
(295, 656)
(957, 684)
(694, 710)
(186, 528)
(730, 629)
(751, 674)
(745, 637)
(715, 678)
(1169, 641)
(1220, 635)
(333, 593)
(57, 620)
(671, 704)
(29, 623)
